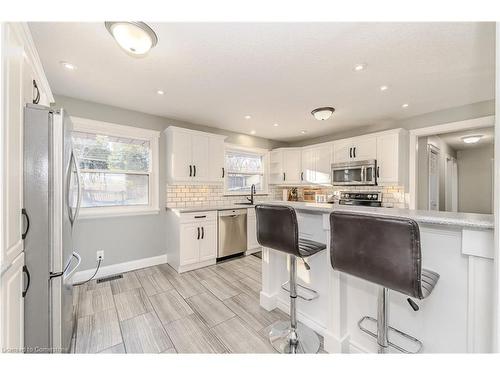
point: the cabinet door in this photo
(12, 305)
(342, 151)
(308, 165)
(276, 167)
(365, 148)
(252, 232)
(208, 243)
(322, 164)
(190, 243)
(180, 156)
(12, 148)
(388, 158)
(292, 166)
(201, 158)
(216, 154)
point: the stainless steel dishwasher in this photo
(232, 232)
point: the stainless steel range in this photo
(361, 198)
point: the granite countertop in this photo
(459, 219)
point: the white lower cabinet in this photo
(12, 306)
(252, 244)
(191, 239)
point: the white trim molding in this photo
(117, 268)
(476, 123)
(110, 129)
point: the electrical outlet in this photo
(100, 255)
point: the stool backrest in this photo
(381, 249)
(277, 228)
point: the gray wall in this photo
(466, 112)
(129, 238)
(475, 176)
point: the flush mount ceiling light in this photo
(303, 132)
(68, 65)
(136, 38)
(276, 125)
(323, 113)
(383, 88)
(359, 67)
(252, 132)
(406, 105)
(248, 117)
(160, 92)
(471, 138)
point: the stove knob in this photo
(346, 195)
(369, 196)
(375, 196)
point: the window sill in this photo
(103, 213)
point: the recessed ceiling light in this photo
(253, 132)
(160, 92)
(68, 65)
(322, 113)
(383, 88)
(248, 117)
(276, 125)
(136, 38)
(471, 138)
(359, 67)
(406, 105)
(303, 131)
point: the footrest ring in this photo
(312, 293)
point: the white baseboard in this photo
(114, 269)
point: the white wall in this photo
(475, 176)
(125, 239)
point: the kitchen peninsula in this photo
(457, 317)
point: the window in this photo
(118, 168)
(244, 168)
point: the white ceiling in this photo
(216, 73)
(454, 140)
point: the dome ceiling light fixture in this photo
(471, 138)
(322, 113)
(136, 38)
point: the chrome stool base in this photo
(307, 339)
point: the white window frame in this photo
(265, 159)
(116, 130)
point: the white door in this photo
(190, 243)
(308, 174)
(342, 151)
(365, 148)
(201, 159)
(181, 168)
(208, 241)
(451, 185)
(276, 167)
(291, 166)
(12, 305)
(322, 163)
(387, 158)
(12, 154)
(216, 154)
(433, 157)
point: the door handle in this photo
(202, 232)
(200, 217)
(78, 178)
(284, 176)
(25, 270)
(350, 152)
(301, 176)
(223, 172)
(36, 99)
(354, 151)
(194, 168)
(25, 214)
(378, 172)
(198, 233)
(190, 171)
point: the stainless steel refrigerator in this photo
(51, 201)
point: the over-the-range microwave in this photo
(363, 173)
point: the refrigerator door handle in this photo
(70, 273)
(79, 179)
(68, 191)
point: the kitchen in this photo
(166, 191)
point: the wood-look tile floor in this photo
(156, 310)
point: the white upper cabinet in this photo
(193, 156)
(353, 149)
(392, 158)
(285, 166)
(316, 164)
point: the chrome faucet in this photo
(252, 193)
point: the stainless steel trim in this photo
(79, 261)
(349, 164)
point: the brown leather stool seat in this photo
(277, 229)
(386, 251)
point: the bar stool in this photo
(386, 251)
(277, 228)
